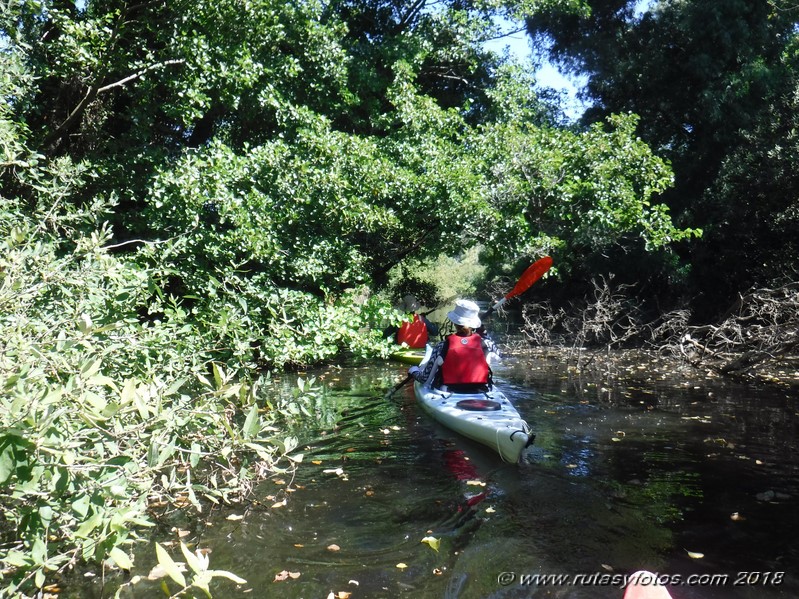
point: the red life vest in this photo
(414, 333)
(465, 362)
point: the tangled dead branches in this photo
(609, 318)
(762, 326)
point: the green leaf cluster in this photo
(577, 192)
(194, 192)
(106, 418)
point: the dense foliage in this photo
(193, 192)
(107, 420)
(715, 85)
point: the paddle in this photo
(534, 272)
(399, 386)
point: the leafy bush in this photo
(110, 406)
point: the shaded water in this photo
(619, 479)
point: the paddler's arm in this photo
(422, 374)
(490, 349)
(432, 329)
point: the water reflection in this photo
(620, 478)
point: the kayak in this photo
(488, 418)
(408, 355)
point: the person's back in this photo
(415, 333)
(465, 365)
(459, 363)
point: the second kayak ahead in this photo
(408, 355)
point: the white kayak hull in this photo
(502, 428)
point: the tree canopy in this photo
(310, 147)
(714, 84)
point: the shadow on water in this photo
(652, 477)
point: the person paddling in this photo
(460, 363)
(418, 331)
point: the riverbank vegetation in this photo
(197, 194)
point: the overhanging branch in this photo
(91, 94)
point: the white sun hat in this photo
(466, 313)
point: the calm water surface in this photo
(649, 473)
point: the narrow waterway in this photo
(686, 479)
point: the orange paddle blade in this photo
(530, 276)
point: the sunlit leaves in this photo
(578, 190)
(168, 564)
(200, 575)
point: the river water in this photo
(679, 477)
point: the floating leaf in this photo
(235, 517)
(285, 575)
(279, 503)
(333, 547)
(433, 542)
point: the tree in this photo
(579, 194)
(261, 174)
(708, 80)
